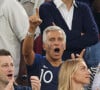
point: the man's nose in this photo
(56, 41)
(10, 68)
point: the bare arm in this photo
(27, 48)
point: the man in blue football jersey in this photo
(45, 67)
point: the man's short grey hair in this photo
(53, 28)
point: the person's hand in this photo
(73, 56)
(35, 83)
(10, 85)
(35, 19)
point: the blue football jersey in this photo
(47, 73)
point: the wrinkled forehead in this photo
(6, 59)
(54, 33)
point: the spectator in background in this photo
(14, 24)
(7, 74)
(77, 21)
(73, 75)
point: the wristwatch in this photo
(29, 34)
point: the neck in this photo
(68, 3)
(77, 86)
(2, 86)
(54, 62)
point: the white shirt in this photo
(14, 25)
(1, 3)
(30, 7)
(66, 14)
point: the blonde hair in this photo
(68, 68)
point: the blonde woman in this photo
(73, 75)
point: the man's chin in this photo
(10, 78)
(56, 58)
(4, 81)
